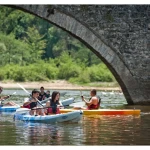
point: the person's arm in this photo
(60, 104)
(47, 104)
(86, 102)
(4, 97)
(28, 102)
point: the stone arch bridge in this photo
(118, 34)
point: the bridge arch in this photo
(133, 90)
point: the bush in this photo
(2, 75)
(82, 78)
(100, 73)
(69, 70)
(43, 71)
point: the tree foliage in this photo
(33, 49)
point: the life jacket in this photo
(53, 108)
(26, 100)
(31, 105)
(94, 106)
(27, 106)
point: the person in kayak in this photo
(32, 103)
(48, 94)
(94, 101)
(42, 94)
(3, 98)
(54, 104)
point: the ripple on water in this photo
(93, 130)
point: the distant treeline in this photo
(31, 49)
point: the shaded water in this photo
(94, 130)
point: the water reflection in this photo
(93, 130)
(111, 130)
(46, 134)
(37, 133)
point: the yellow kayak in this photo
(106, 111)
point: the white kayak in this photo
(74, 116)
(63, 93)
(67, 102)
(9, 108)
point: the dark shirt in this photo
(47, 95)
(54, 105)
(33, 104)
(42, 96)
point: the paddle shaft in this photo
(45, 100)
(9, 96)
(29, 93)
(24, 89)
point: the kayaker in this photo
(42, 94)
(54, 103)
(94, 101)
(32, 103)
(48, 94)
(3, 98)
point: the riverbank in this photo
(56, 84)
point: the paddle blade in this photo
(13, 93)
(23, 88)
(81, 93)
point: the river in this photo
(94, 130)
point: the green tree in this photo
(13, 51)
(36, 43)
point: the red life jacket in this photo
(51, 111)
(95, 106)
(27, 106)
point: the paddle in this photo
(77, 105)
(23, 89)
(9, 96)
(9, 103)
(44, 101)
(81, 94)
(28, 93)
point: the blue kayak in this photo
(74, 116)
(9, 108)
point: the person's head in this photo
(48, 91)
(42, 89)
(93, 92)
(35, 93)
(55, 95)
(1, 89)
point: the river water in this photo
(94, 130)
